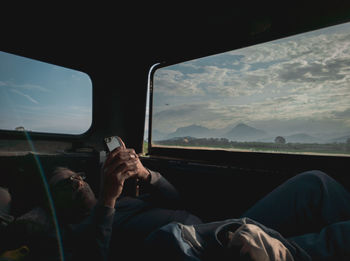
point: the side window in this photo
(41, 97)
(290, 95)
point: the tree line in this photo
(279, 144)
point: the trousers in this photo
(312, 210)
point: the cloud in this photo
(171, 82)
(334, 71)
(170, 119)
(289, 114)
(25, 86)
(28, 97)
(302, 77)
(342, 114)
(213, 81)
(30, 87)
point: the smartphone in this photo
(112, 143)
(131, 187)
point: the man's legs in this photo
(304, 204)
(331, 243)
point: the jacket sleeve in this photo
(161, 191)
(91, 238)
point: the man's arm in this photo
(95, 232)
(160, 189)
(126, 163)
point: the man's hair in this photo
(57, 170)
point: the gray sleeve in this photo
(161, 190)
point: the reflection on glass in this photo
(267, 97)
(41, 97)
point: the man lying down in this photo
(311, 211)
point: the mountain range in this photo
(241, 132)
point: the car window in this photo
(41, 97)
(290, 95)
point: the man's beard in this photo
(84, 201)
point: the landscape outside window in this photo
(290, 95)
(41, 97)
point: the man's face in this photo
(72, 195)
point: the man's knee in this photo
(5, 200)
(316, 181)
(316, 176)
(311, 182)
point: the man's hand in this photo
(120, 165)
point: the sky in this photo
(43, 97)
(299, 84)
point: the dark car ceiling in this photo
(92, 37)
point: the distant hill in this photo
(195, 131)
(302, 138)
(157, 135)
(243, 132)
(342, 139)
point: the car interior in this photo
(139, 72)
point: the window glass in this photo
(290, 95)
(41, 97)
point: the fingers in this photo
(117, 173)
(126, 174)
(123, 161)
(121, 154)
(118, 177)
(120, 166)
(121, 142)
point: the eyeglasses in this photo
(78, 176)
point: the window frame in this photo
(223, 157)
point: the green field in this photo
(342, 149)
